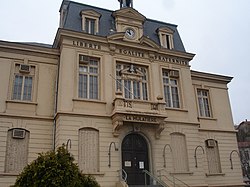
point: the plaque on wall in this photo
(127, 164)
(141, 165)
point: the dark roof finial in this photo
(126, 3)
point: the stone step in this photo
(145, 186)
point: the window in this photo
(179, 150)
(89, 150)
(166, 37)
(88, 87)
(90, 21)
(166, 41)
(203, 101)
(23, 82)
(213, 156)
(90, 26)
(17, 150)
(132, 81)
(171, 91)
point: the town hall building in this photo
(118, 90)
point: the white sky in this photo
(217, 31)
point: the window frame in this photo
(95, 93)
(166, 37)
(202, 111)
(170, 87)
(141, 85)
(90, 25)
(90, 15)
(31, 87)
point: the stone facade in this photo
(126, 100)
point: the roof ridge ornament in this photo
(126, 3)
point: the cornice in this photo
(26, 47)
(60, 113)
(2, 115)
(115, 39)
(197, 75)
(218, 130)
(129, 13)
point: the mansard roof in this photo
(73, 21)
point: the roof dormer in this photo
(90, 21)
(166, 37)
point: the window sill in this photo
(176, 109)
(8, 174)
(182, 172)
(21, 102)
(214, 174)
(206, 118)
(89, 100)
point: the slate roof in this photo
(73, 22)
(38, 44)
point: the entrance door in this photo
(135, 158)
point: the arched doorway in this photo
(135, 158)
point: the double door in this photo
(135, 159)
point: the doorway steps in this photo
(145, 186)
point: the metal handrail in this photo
(121, 172)
(172, 181)
(155, 178)
(179, 180)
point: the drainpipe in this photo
(55, 107)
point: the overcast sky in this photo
(217, 31)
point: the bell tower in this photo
(126, 3)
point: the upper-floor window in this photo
(90, 21)
(171, 88)
(90, 26)
(88, 87)
(203, 101)
(166, 37)
(23, 82)
(132, 81)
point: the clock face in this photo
(130, 33)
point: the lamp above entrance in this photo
(126, 3)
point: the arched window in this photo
(179, 150)
(213, 156)
(88, 150)
(16, 150)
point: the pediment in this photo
(143, 40)
(165, 30)
(129, 13)
(116, 36)
(91, 13)
(148, 42)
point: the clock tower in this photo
(129, 21)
